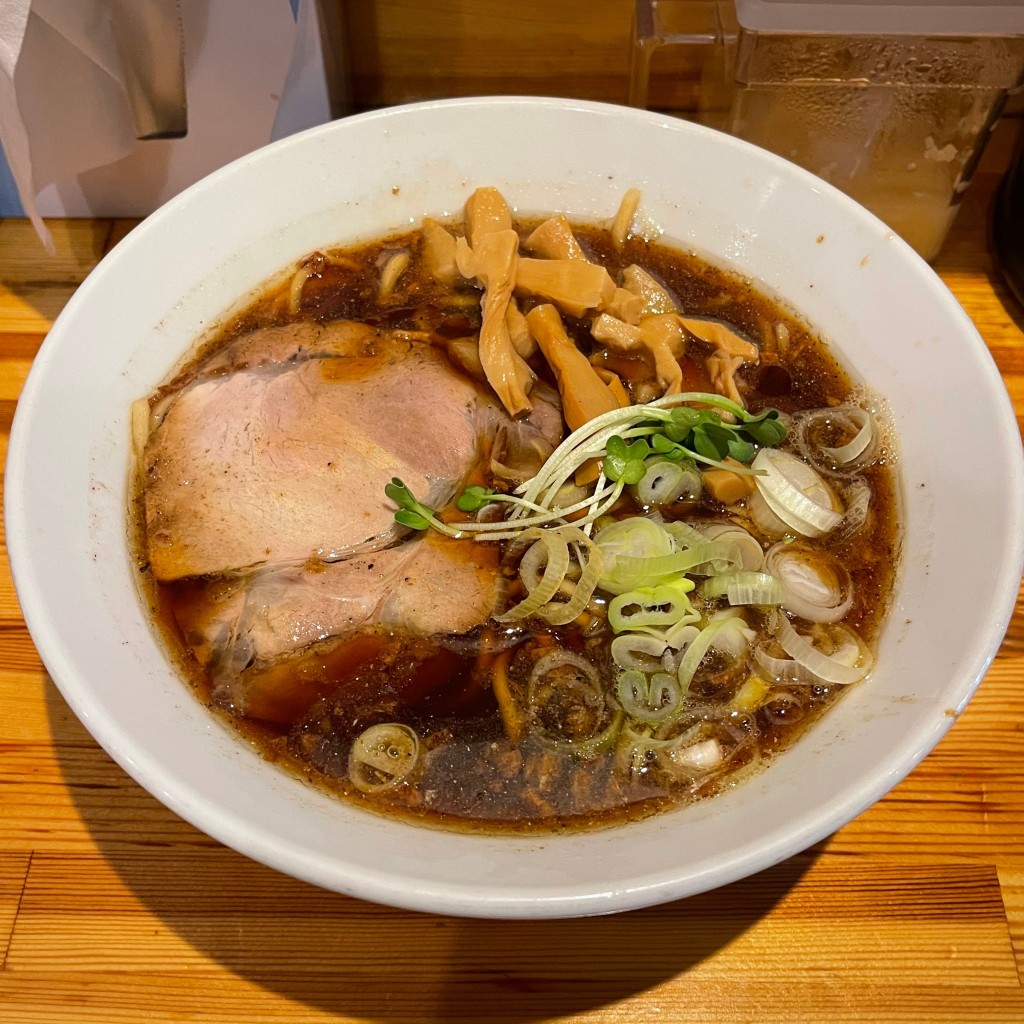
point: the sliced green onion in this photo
(559, 659)
(648, 742)
(781, 669)
(858, 505)
(702, 559)
(675, 638)
(651, 606)
(588, 556)
(795, 493)
(636, 537)
(665, 481)
(697, 650)
(744, 588)
(551, 550)
(851, 420)
(633, 750)
(563, 680)
(735, 638)
(589, 441)
(690, 755)
(846, 454)
(701, 757)
(382, 756)
(850, 664)
(591, 746)
(751, 552)
(815, 586)
(683, 633)
(544, 570)
(638, 651)
(684, 535)
(652, 700)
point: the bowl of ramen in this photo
(515, 530)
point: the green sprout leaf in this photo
(413, 520)
(688, 433)
(682, 420)
(667, 448)
(711, 443)
(664, 445)
(766, 428)
(625, 461)
(616, 457)
(411, 512)
(474, 498)
(399, 493)
(741, 450)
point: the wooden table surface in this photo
(113, 910)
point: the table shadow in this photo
(323, 950)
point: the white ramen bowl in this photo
(886, 314)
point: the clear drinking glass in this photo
(898, 120)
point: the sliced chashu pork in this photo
(287, 458)
(265, 477)
(257, 634)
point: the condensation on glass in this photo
(891, 103)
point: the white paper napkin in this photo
(73, 75)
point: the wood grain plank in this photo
(34, 286)
(506, 998)
(90, 914)
(13, 375)
(78, 244)
(75, 798)
(17, 350)
(13, 873)
(6, 414)
(1011, 886)
(39, 713)
(10, 609)
(5, 568)
(1009, 358)
(19, 345)
(932, 817)
(26, 716)
(17, 651)
(120, 228)
(133, 880)
(418, 49)
(917, 953)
